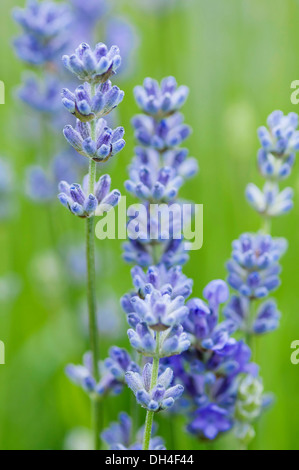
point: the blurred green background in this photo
(239, 58)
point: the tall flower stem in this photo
(150, 414)
(97, 420)
(91, 272)
(93, 139)
(91, 298)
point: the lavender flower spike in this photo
(202, 321)
(111, 372)
(93, 139)
(270, 202)
(153, 180)
(282, 138)
(171, 281)
(173, 341)
(45, 26)
(107, 142)
(254, 269)
(158, 310)
(164, 135)
(160, 101)
(82, 204)
(93, 66)
(210, 421)
(159, 169)
(160, 397)
(86, 107)
(265, 321)
(275, 161)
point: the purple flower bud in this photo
(157, 398)
(93, 66)
(73, 138)
(102, 187)
(254, 269)
(90, 204)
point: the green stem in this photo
(97, 415)
(93, 330)
(91, 297)
(267, 225)
(154, 378)
(97, 420)
(156, 253)
(92, 176)
(249, 322)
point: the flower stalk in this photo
(150, 414)
(95, 140)
(97, 409)
(156, 309)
